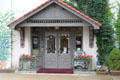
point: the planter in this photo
(82, 64)
(115, 73)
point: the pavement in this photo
(34, 76)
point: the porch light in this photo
(22, 36)
(57, 28)
(91, 36)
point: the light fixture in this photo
(57, 28)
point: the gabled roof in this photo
(22, 18)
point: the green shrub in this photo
(114, 59)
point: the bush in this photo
(114, 59)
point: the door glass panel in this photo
(78, 41)
(79, 38)
(64, 43)
(51, 44)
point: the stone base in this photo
(115, 73)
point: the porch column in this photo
(92, 51)
(86, 39)
(28, 40)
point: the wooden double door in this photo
(58, 50)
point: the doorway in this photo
(57, 50)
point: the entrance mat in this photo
(64, 71)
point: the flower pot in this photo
(115, 73)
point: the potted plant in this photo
(114, 62)
(102, 70)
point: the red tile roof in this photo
(61, 2)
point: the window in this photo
(64, 43)
(51, 44)
(35, 42)
(35, 38)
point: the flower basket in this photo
(82, 63)
(27, 62)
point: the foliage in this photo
(71, 4)
(100, 11)
(105, 40)
(114, 59)
(5, 35)
(117, 26)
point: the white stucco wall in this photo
(17, 50)
(92, 51)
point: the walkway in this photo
(16, 76)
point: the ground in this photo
(18, 76)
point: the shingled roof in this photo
(58, 1)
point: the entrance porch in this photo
(54, 48)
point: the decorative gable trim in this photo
(60, 3)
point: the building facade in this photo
(52, 32)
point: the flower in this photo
(83, 57)
(106, 69)
(29, 56)
(89, 56)
(24, 56)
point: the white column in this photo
(92, 51)
(27, 40)
(17, 50)
(86, 39)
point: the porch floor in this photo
(20, 76)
